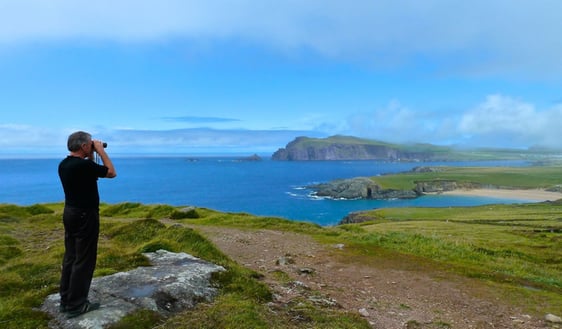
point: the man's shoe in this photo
(85, 308)
(63, 308)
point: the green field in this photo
(521, 244)
(31, 250)
(503, 177)
(514, 250)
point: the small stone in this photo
(306, 270)
(324, 301)
(363, 312)
(284, 261)
(298, 284)
(553, 318)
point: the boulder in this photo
(353, 188)
(436, 186)
(359, 188)
(175, 282)
(357, 217)
(444, 185)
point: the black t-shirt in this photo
(79, 178)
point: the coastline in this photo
(537, 195)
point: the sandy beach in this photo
(524, 195)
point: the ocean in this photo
(229, 184)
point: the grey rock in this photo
(436, 186)
(363, 312)
(186, 212)
(284, 261)
(423, 169)
(555, 188)
(323, 301)
(339, 246)
(356, 217)
(353, 188)
(359, 188)
(187, 209)
(298, 284)
(175, 282)
(553, 318)
(306, 270)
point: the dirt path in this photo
(388, 296)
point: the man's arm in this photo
(100, 150)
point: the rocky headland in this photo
(367, 188)
(353, 148)
(359, 188)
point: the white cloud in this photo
(478, 37)
(205, 138)
(17, 135)
(18, 139)
(502, 120)
(398, 123)
(500, 114)
(498, 121)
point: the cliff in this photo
(367, 188)
(351, 148)
(359, 188)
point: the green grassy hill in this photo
(515, 250)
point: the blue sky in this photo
(204, 76)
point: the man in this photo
(79, 173)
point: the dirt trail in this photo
(388, 296)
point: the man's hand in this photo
(98, 146)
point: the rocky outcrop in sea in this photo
(359, 188)
(367, 188)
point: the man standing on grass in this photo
(79, 173)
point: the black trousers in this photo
(81, 232)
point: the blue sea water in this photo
(268, 188)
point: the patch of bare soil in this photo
(388, 295)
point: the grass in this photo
(514, 249)
(32, 250)
(512, 177)
(517, 246)
(517, 249)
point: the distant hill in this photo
(352, 148)
(340, 147)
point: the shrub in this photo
(188, 212)
(120, 209)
